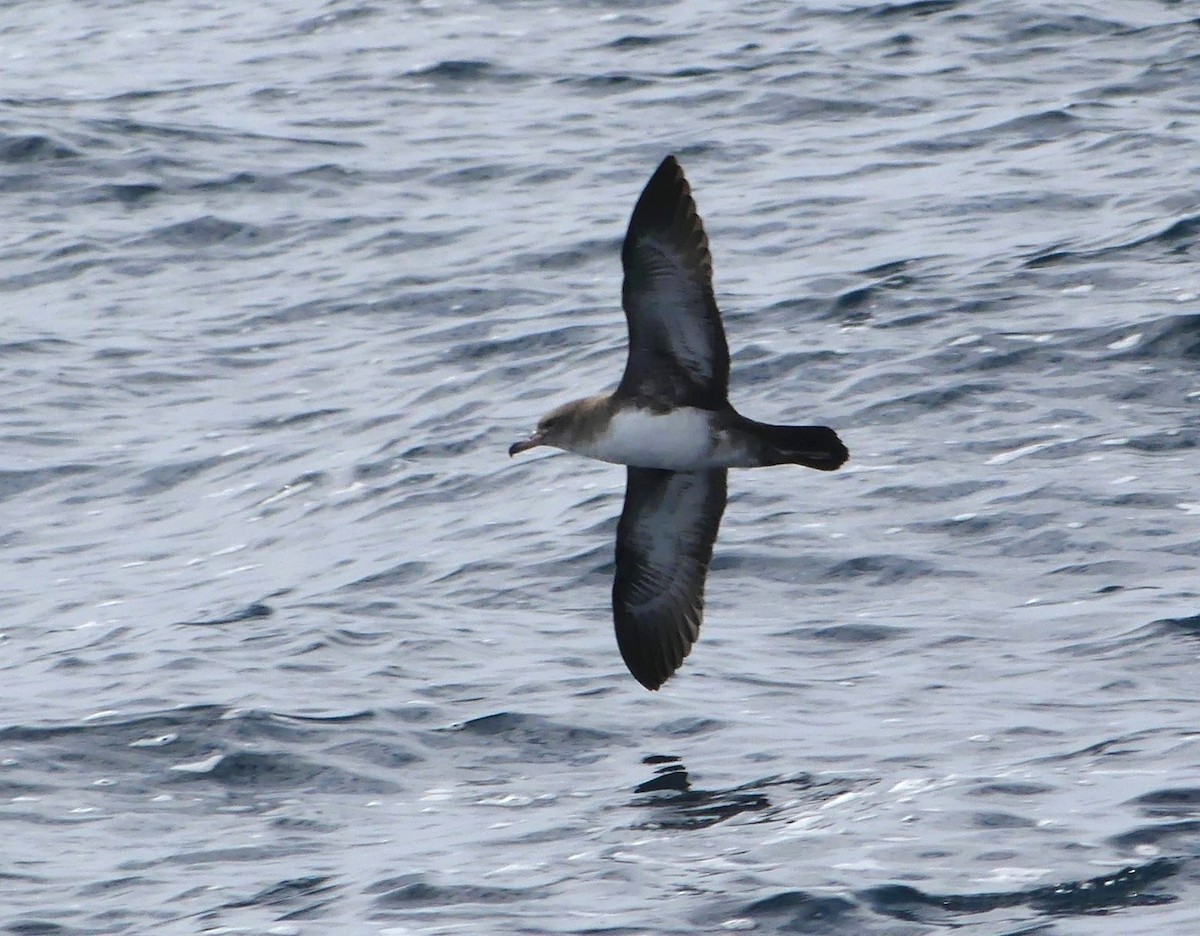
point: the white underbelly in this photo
(681, 439)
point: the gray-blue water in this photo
(290, 645)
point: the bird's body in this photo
(670, 422)
(683, 438)
(679, 438)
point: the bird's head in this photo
(561, 427)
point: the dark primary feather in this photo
(677, 349)
(664, 544)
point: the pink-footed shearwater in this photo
(670, 422)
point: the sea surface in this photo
(289, 645)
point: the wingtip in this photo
(652, 664)
(666, 204)
(645, 664)
(648, 674)
(669, 173)
(668, 177)
(652, 681)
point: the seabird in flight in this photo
(670, 422)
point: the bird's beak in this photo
(524, 445)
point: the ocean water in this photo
(291, 646)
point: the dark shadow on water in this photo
(674, 803)
(250, 612)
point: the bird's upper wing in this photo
(664, 544)
(677, 349)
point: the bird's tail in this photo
(812, 446)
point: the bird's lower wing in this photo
(664, 544)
